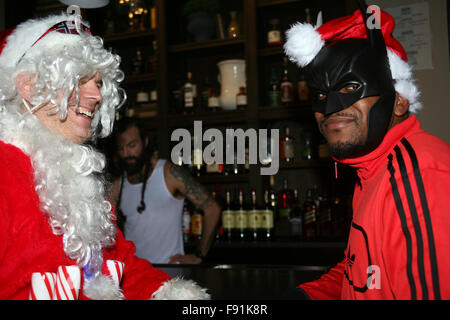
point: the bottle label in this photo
(241, 219)
(197, 224)
(309, 217)
(198, 157)
(274, 98)
(274, 37)
(286, 92)
(186, 222)
(228, 219)
(267, 219)
(188, 97)
(241, 100)
(303, 91)
(254, 219)
(213, 102)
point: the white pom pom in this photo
(303, 43)
(180, 289)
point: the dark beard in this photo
(133, 168)
(347, 150)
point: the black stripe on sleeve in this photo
(415, 220)
(427, 217)
(401, 213)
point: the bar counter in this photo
(245, 282)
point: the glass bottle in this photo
(254, 218)
(188, 95)
(296, 218)
(287, 147)
(274, 90)
(233, 28)
(241, 98)
(267, 217)
(274, 34)
(307, 148)
(228, 218)
(241, 217)
(197, 224)
(309, 217)
(186, 222)
(285, 201)
(138, 64)
(286, 87)
(302, 88)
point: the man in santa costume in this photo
(365, 100)
(58, 89)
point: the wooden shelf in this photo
(271, 51)
(122, 36)
(209, 118)
(205, 44)
(266, 3)
(301, 110)
(145, 77)
(305, 164)
(222, 179)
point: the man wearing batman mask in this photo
(364, 101)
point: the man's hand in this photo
(185, 259)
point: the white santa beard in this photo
(67, 181)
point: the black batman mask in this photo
(364, 64)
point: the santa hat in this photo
(34, 37)
(304, 42)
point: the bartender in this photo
(150, 195)
(365, 101)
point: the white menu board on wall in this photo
(412, 29)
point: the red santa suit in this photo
(399, 239)
(27, 243)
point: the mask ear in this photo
(24, 84)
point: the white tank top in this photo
(156, 231)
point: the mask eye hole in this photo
(350, 87)
(321, 96)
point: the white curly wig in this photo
(67, 176)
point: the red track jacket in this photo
(27, 243)
(399, 242)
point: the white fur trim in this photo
(180, 289)
(22, 38)
(102, 288)
(404, 81)
(303, 43)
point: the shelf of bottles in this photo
(131, 30)
(283, 219)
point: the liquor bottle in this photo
(267, 218)
(274, 34)
(197, 161)
(138, 64)
(186, 222)
(152, 62)
(287, 147)
(274, 91)
(273, 197)
(325, 227)
(219, 229)
(254, 218)
(307, 148)
(309, 217)
(302, 88)
(241, 217)
(233, 28)
(285, 201)
(286, 87)
(213, 100)
(188, 92)
(228, 218)
(214, 168)
(197, 224)
(177, 98)
(296, 218)
(241, 98)
(205, 93)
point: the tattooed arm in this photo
(179, 181)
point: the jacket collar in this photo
(367, 164)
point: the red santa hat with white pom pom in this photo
(304, 42)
